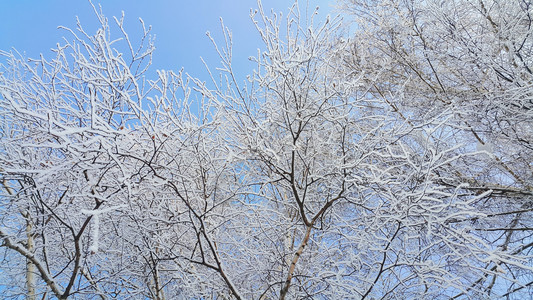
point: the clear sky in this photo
(179, 26)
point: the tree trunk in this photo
(30, 267)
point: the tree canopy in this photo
(385, 153)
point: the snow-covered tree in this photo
(473, 60)
(386, 155)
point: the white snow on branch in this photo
(96, 224)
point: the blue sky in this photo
(179, 27)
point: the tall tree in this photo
(472, 59)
